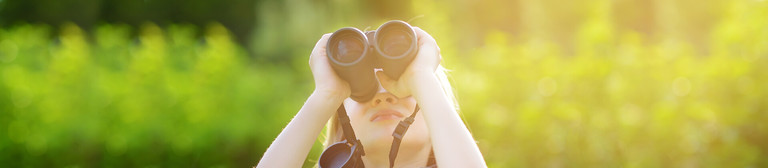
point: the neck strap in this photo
(346, 127)
(402, 127)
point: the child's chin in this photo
(381, 135)
(381, 138)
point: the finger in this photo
(322, 43)
(323, 40)
(426, 42)
(428, 47)
(388, 83)
(385, 81)
(423, 36)
(319, 51)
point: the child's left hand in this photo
(425, 63)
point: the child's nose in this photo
(382, 97)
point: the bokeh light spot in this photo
(681, 86)
(547, 86)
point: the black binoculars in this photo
(354, 55)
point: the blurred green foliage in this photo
(540, 84)
(237, 15)
(166, 99)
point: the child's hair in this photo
(333, 129)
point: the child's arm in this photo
(291, 147)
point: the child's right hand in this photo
(326, 80)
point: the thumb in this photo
(390, 84)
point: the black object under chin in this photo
(342, 154)
(347, 153)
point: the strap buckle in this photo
(402, 127)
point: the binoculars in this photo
(355, 54)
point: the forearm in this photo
(451, 140)
(291, 147)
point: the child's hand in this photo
(326, 80)
(425, 63)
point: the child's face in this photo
(375, 120)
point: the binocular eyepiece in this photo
(355, 54)
(343, 154)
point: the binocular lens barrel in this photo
(396, 47)
(349, 48)
(341, 155)
(352, 57)
(335, 156)
(348, 52)
(394, 42)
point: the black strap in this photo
(431, 162)
(402, 127)
(346, 127)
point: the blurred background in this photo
(541, 83)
